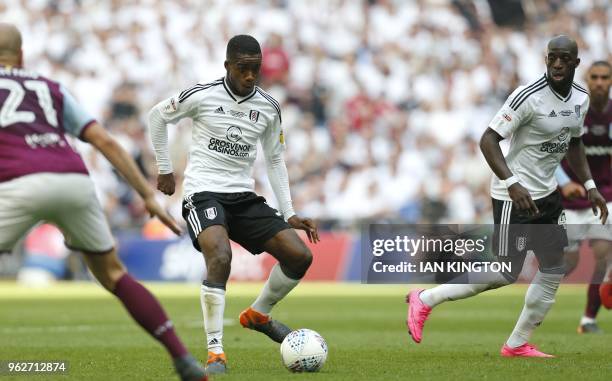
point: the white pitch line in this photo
(99, 327)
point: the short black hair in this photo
(601, 63)
(242, 44)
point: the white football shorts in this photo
(583, 224)
(66, 200)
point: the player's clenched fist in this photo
(522, 199)
(166, 184)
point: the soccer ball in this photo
(303, 350)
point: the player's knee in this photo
(508, 279)
(558, 267)
(107, 270)
(601, 249)
(217, 246)
(302, 262)
(219, 263)
(306, 256)
(570, 262)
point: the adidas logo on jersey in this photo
(552, 114)
(219, 110)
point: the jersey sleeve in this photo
(273, 144)
(181, 105)
(76, 119)
(273, 138)
(581, 111)
(178, 106)
(515, 112)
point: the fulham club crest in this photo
(254, 116)
(211, 213)
(521, 242)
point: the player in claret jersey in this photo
(544, 123)
(43, 179)
(582, 224)
(230, 116)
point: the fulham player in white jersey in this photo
(230, 115)
(544, 123)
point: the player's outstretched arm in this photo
(97, 136)
(489, 145)
(576, 158)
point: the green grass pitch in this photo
(363, 325)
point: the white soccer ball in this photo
(303, 350)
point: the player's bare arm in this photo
(576, 158)
(124, 163)
(489, 145)
(570, 190)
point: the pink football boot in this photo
(418, 312)
(525, 350)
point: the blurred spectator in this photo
(275, 65)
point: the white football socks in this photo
(450, 291)
(276, 288)
(212, 300)
(539, 299)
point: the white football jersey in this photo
(226, 128)
(541, 123)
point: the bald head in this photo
(10, 45)
(561, 62)
(563, 42)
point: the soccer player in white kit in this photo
(43, 179)
(230, 115)
(544, 121)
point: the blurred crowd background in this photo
(383, 101)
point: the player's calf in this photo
(605, 290)
(571, 261)
(106, 268)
